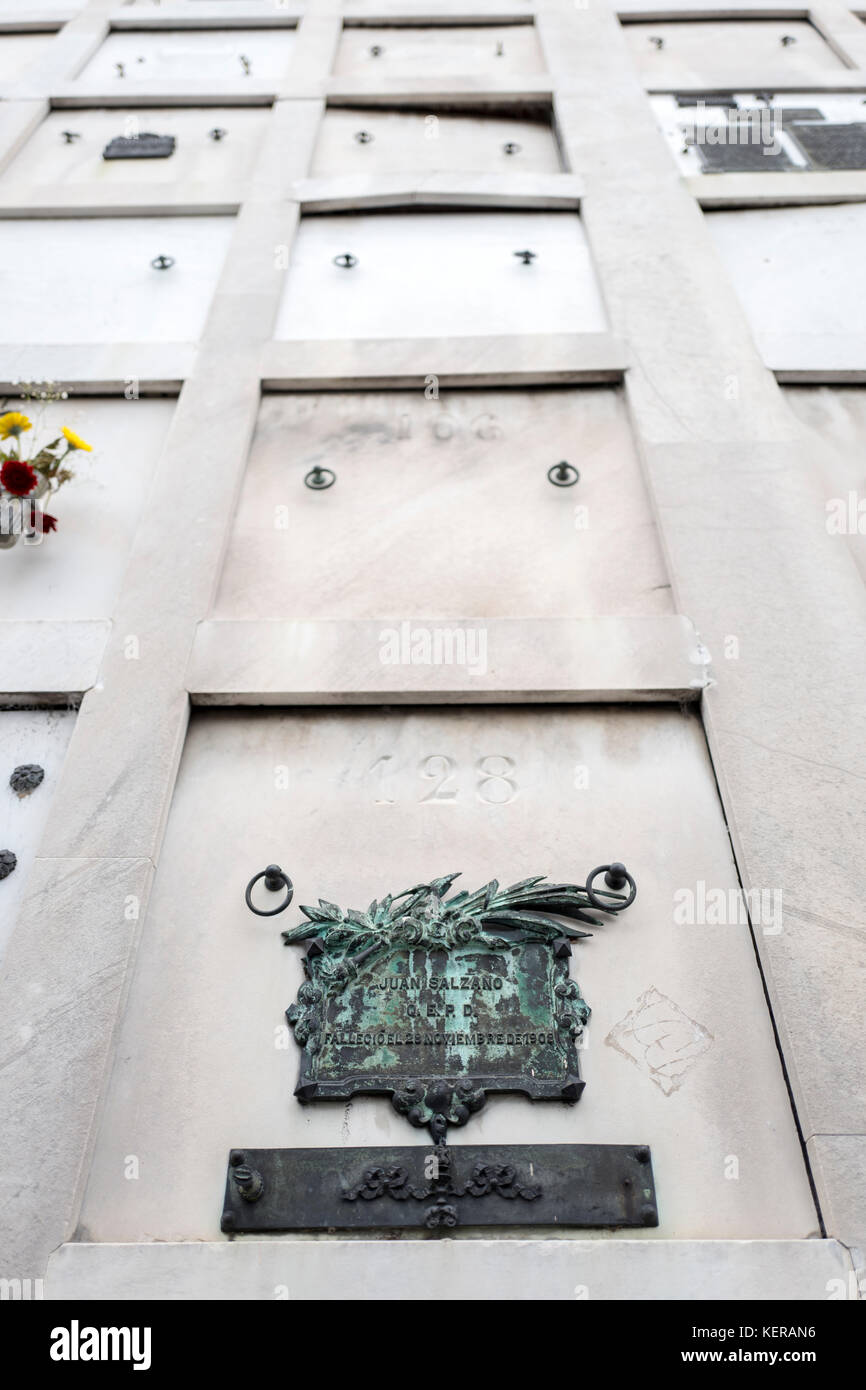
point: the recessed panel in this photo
(376, 141)
(416, 275)
(801, 277)
(32, 748)
(443, 508)
(694, 49)
(68, 147)
(836, 419)
(112, 280)
(75, 571)
(483, 50)
(128, 57)
(358, 804)
(20, 53)
(758, 132)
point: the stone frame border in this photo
(739, 512)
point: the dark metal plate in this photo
(707, 99)
(831, 146)
(439, 1187)
(742, 158)
(145, 146)
(777, 115)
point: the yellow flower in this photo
(13, 422)
(75, 441)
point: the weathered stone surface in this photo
(353, 804)
(450, 273)
(457, 661)
(63, 980)
(474, 1270)
(839, 1163)
(719, 50)
(798, 271)
(409, 142)
(436, 502)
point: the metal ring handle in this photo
(563, 474)
(614, 874)
(273, 871)
(319, 478)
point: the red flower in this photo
(18, 477)
(49, 523)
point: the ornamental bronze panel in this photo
(438, 1000)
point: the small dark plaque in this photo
(742, 157)
(439, 1187)
(145, 146)
(830, 146)
(725, 99)
(774, 117)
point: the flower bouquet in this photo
(24, 482)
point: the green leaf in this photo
(331, 910)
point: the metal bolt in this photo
(526, 257)
(363, 137)
(217, 133)
(616, 877)
(274, 878)
(245, 64)
(7, 862)
(249, 1183)
(346, 261)
(649, 1215)
(642, 1154)
(162, 262)
(656, 41)
(237, 1156)
(376, 51)
(70, 135)
(121, 70)
(787, 39)
(510, 147)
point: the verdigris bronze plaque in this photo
(436, 1001)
